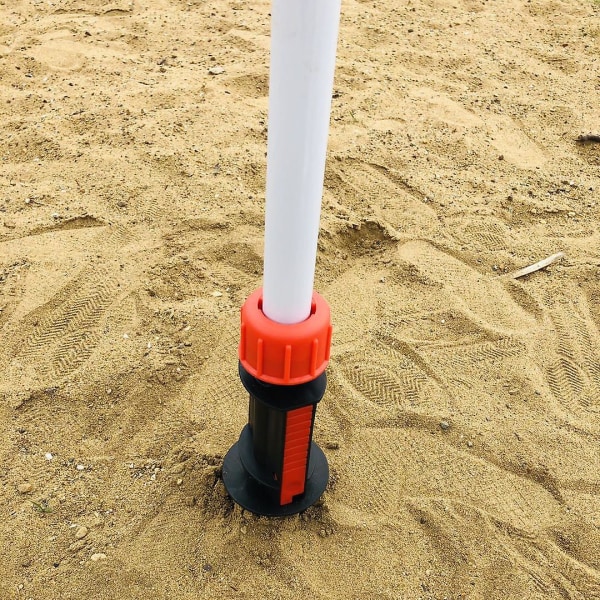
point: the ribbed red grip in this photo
(295, 453)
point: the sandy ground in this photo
(462, 417)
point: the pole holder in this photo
(275, 468)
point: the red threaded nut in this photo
(284, 354)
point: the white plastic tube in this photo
(303, 47)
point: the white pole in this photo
(303, 46)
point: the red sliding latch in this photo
(298, 429)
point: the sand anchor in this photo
(275, 468)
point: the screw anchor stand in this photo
(275, 468)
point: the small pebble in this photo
(332, 445)
(470, 444)
(80, 467)
(98, 556)
(244, 529)
(48, 456)
(25, 488)
(216, 294)
(216, 70)
(81, 532)
(444, 425)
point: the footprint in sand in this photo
(500, 131)
(52, 332)
(481, 297)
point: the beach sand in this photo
(462, 416)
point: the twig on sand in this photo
(42, 507)
(590, 138)
(535, 266)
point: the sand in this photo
(462, 416)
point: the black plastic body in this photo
(252, 468)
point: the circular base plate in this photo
(260, 499)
